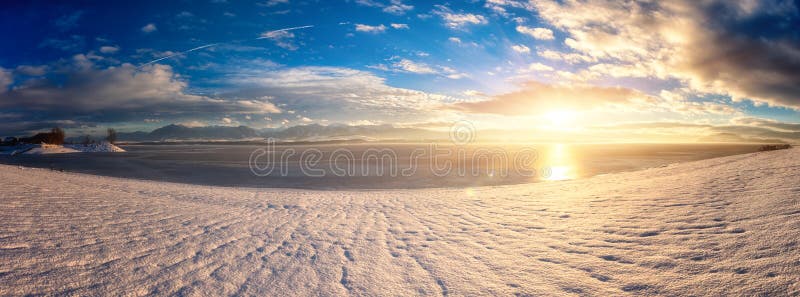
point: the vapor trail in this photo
(267, 34)
(178, 54)
(264, 35)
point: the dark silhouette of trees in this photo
(56, 136)
(112, 135)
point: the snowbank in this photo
(40, 149)
(103, 147)
(719, 227)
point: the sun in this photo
(560, 119)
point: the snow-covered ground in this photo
(42, 149)
(725, 226)
(102, 147)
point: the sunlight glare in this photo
(560, 119)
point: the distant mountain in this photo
(180, 132)
(339, 131)
(312, 132)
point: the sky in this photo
(591, 70)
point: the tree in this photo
(56, 136)
(112, 135)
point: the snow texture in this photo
(725, 226)
(103, 147)
(41, 149)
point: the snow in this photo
(725, 226)
(103, 147)
(40, 149)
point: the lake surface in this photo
(374, 165)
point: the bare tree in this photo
(56, 136)
(112, 135)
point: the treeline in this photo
(55, 136)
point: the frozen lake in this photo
(374, 165)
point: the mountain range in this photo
(312, 132)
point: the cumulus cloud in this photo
(521, 49)
(123, 92)
(400, 26)
(30, 70)
(339, 94)
(572, 58)
(539, 67)
(109, 49)
(410, 66)
(538, 33)
(744, 49)
(397, 7)
(149, 28)
(407, 65)
(455, 20)
(536, 97)
(370, 29)
(282, 38)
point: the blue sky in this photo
(718, 65)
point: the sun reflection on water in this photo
(561, 164)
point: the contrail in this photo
(267, 35)
(178, 54)
(264, 35)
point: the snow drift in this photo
(719, 227)
(39, 149)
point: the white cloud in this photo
(149, 28)
(370, 29)
(370, 3)
(270, 3)
(521, 48)
(410, 66)
(692, 41)
(536, 97)
(474, 93)
(6, 79)
(407, 65)
(538, 33)
(572, 58)
(32, 70)
(339, 94)
(539, 67)
(193, 124)
(459, 20)
(283, 39)
(122, 90)
(399, 26)
(397, 7)
(455, 40)
(109, 49)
